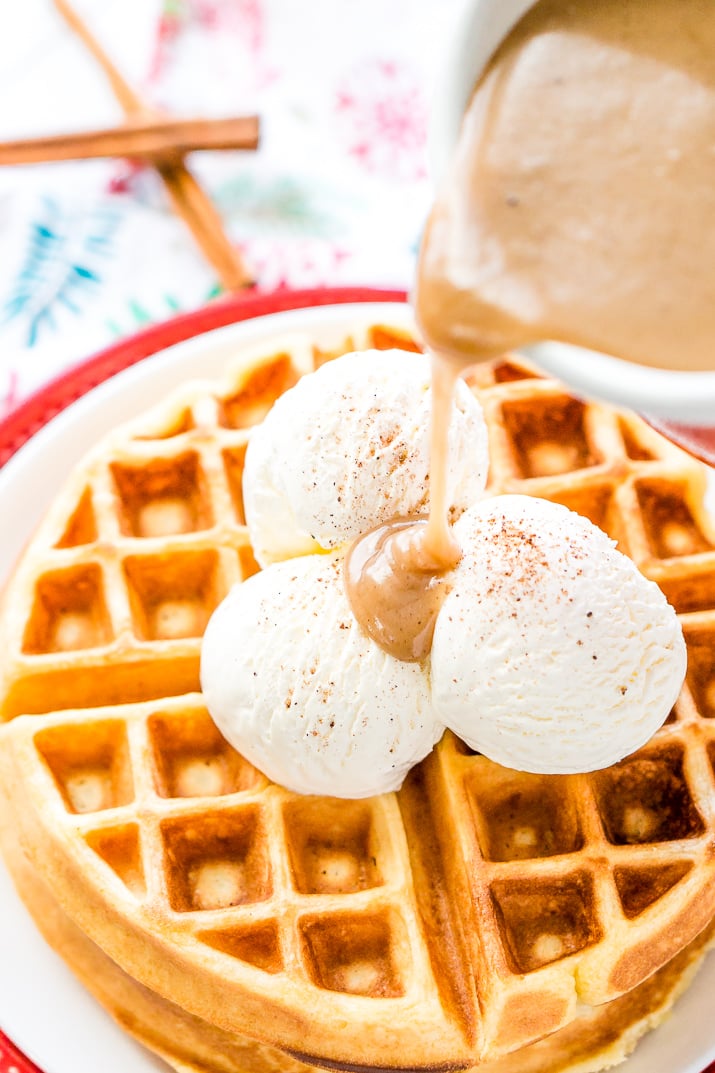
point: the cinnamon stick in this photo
(189, 199)
(150, 138)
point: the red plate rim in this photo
(54, 396)
(50, 399)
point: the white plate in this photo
(42, 1007)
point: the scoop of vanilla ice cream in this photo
(347, 448)
(298, 689)
(552, 653)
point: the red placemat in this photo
(45, 404)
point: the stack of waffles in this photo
(479, 918)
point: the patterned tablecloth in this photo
(337, 193)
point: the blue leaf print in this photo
(63, 266)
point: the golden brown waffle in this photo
(597, 1039)
(476, 911)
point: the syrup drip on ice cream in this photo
(396, 575)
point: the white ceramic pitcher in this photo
(687, 397)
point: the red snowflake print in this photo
(124, 179)
(9, 401)
(382, 115)
(246, 18)
(281, 264)
(168, 30)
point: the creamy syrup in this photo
(580, 200)
(396, 575)
(579, 208)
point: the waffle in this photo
(595, 1040)
(475, 912)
